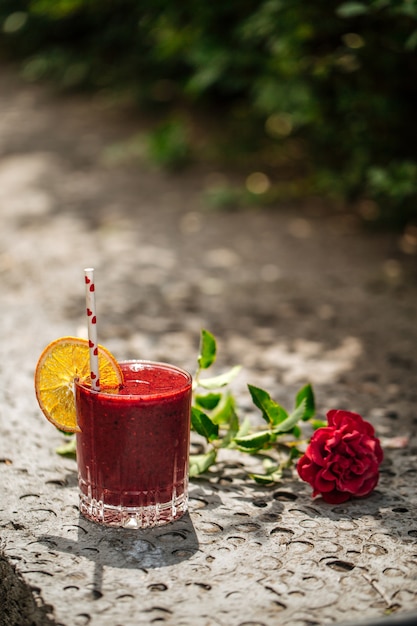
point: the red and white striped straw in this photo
(90, 298)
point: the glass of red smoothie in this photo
(133, 447)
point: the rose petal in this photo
(322, 485)
(306, 469)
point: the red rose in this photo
(342, 459)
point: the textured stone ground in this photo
(292, 293)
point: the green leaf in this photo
(244, 428)
(199, 463)
(295, 453)
(208, 349)
(268, 479)
(318, 424)
(352, 9)
(411, 43)
(253, 442)
(68, 449)
(296, 432)
(220, 381)
(203, 425)
(273, 473)
(272, 412)
(208, 401)
(225, 410)
(307, 394)
(228, 439)
(291, 421)
(263, 479)
(168, 144)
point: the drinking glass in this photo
(133, 447)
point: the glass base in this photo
(133, 517)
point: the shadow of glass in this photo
(128, 549)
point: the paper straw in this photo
(90, 298)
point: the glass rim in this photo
(188, 380)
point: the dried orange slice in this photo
(61, 362)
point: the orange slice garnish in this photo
(60, 364)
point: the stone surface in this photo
(293, 293)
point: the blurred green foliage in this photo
(325, 89)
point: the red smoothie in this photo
(133, 448)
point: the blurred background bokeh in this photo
(304, 98)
